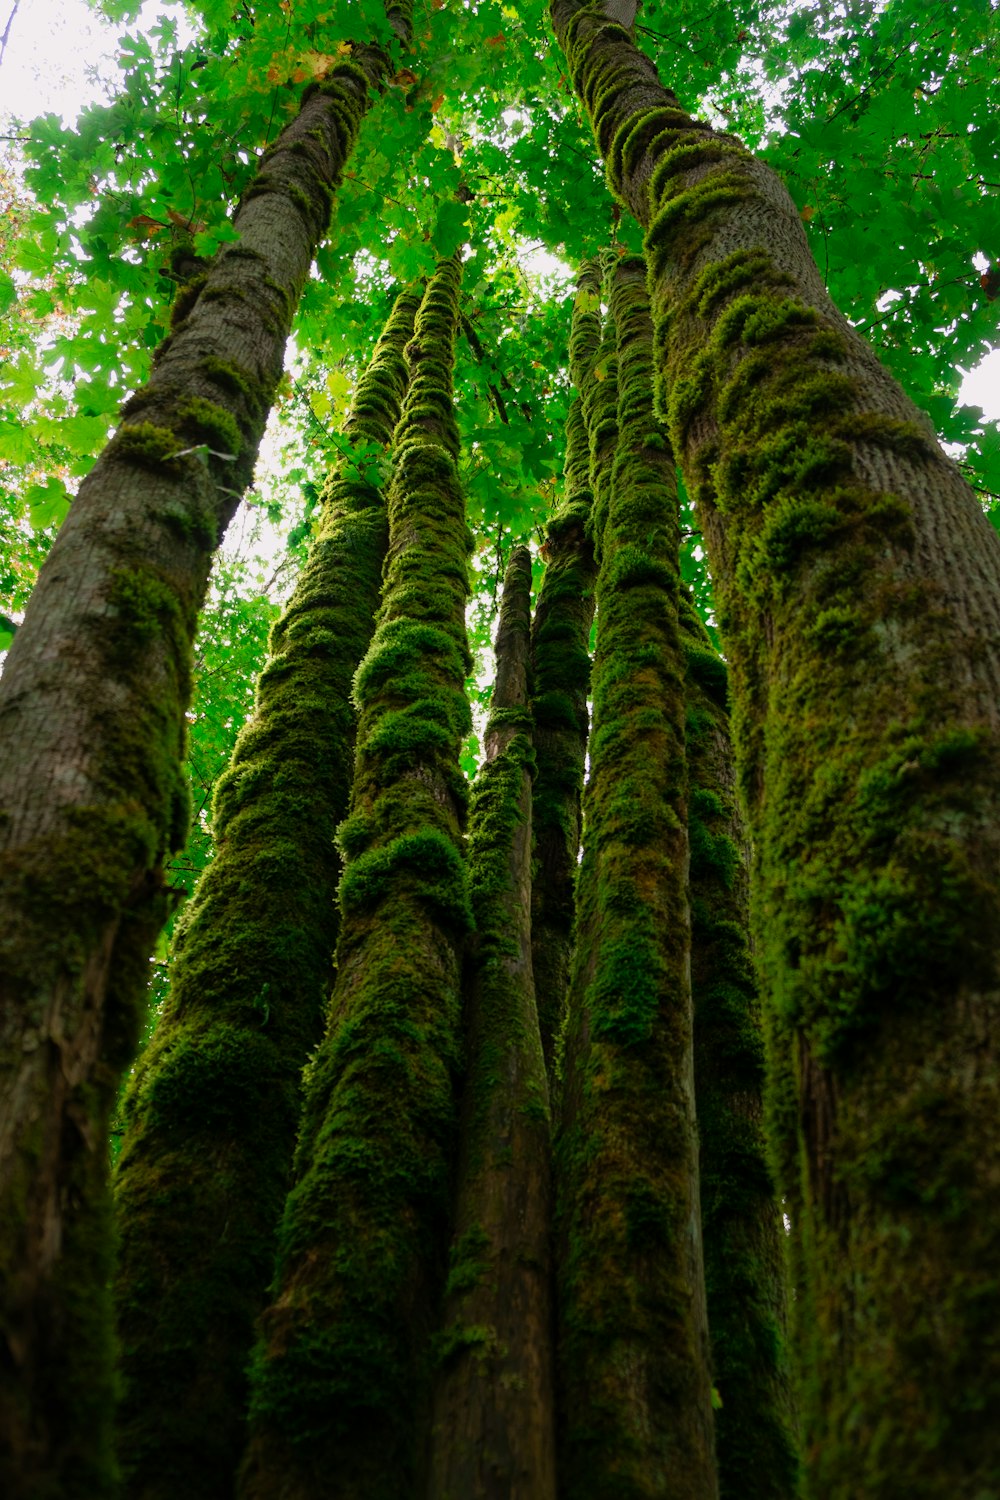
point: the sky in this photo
(61, 55)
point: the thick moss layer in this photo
(744, 1250)
(341, 1367)
(493, 1430)
(635, 1389)
(858, 585)
(94, 694)
(560, 658)
(212, 1111)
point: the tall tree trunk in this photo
(212, 1112)
(560, 660)
(341, 1368)
(493, 1432)
(92, 795)
(634, 1369)
(859, 589)
(744, 1253)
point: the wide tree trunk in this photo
(635, 1389)
(560, 662)
(92, 794)
(493, 1435)
(212, 1112)
(342, 1368)
(745, 1270)
(859, 591)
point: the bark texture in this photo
(92, 796)
(744, 1252)
(494, 1421)
(859, 594)
(635, 1388)
(560, 659)
(341, 1371)
(212, 1112)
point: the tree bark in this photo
(635, 1388)
(859, 594)
(92, 793)
(745, 1269)
(493, 1434)
(341, 1372)
(212, 1112)
(560, 660)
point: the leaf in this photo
(47, 504)
(8, 292)
(451, 228)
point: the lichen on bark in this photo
(211, 1113)
(865, 689)
(635, 1387)
(342, 1365)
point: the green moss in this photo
(206, 1157)
(145, 604)
(346, 1345)
(625, 1155)
(560, 661)
(149, 446)
(212, 423)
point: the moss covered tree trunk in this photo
(744, 1250)
(560, 659)
(341, 1370)
(859, 591)
(212, 1113)
(493, 1432)
(635, 1389)
(92, 796)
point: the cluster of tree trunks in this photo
(514, 1231)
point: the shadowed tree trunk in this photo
(560, 660)
(212, 1113)
(633, 1340)
(92, 795)
(859, 603)
(341, 1371)
(744, 1253)
(493, 1432)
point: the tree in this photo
(788, 436)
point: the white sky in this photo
(60, 53)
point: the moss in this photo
(211, 422)
(345, 1345)
(147, 445)
(744, 1262)
(841, 637)
(560, 660)
(625, 1155)
(213, 1110)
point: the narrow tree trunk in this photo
(341, 1370)
(560, 660)
(744, 1253)
(494, 1422)
(634, 1371)
(212, 1113)
(92, 795)
(859, 588)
